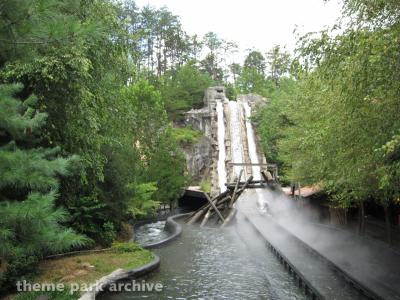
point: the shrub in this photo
(126, 247)
(108, 234)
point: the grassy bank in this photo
(86, 269)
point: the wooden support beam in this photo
(206, 217)
(246, 184)
(236, 188)
(229, 218)
(250, 164)
(197, 215)
(194, 212)
(252, 186)
(267, 176)
(233, 184)
(215, 208)
(209, 211)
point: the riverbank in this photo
(85, 270)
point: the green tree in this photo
(78, 85)
(30, 224)
(142, 203)
(212, 60)
(255, 61)
(161, 159)
(27, 27)
(235, 69)
(184, 89)
(252, 77)
(343, 117)
(278, 62)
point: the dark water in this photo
(217, 264)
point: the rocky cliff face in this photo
(199, 159)
(201, 156)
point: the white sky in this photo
(259, 24)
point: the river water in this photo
(205, 263)
(150, 233)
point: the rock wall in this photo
(199, 159)
(202, 157)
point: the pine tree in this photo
(30, 225)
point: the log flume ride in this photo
(221, 209)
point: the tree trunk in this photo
(387, 224)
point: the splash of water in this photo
(236, 137)
(221, 147)
(251, 142)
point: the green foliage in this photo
(142, 203)
(252, 77)
(30, 225)
(205, 185)
(256, 61)
(27, 27)
(161, 159)
(337, 125)
(126, 247)
(184, 89)
(156, 40)
(77, 58)
(210, 65)
(230, 91)
(377, 12)
(274, 118)
(108, 234)
(185, 135)
(279, 63)
(251, 81)
(167, 168)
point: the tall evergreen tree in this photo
(30, 225)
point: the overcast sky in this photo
(258, 24)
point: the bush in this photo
(126, 247)
(20, 268)
(186, 135)
(108, 235)
(205, 185)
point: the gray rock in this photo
(199, 158)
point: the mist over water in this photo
(207, 263)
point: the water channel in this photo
(206, 263)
